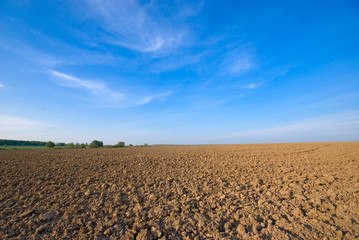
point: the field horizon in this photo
(173, 144)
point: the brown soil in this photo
(268, 191)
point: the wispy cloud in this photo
(238, 59)
(177, 61)
(1, 85)
(253, 85)
(102, 95)
(147, 99)
(12, 123)
(131, 26)
(336, 127)
(241, 64)
(333, 101)
(94, 87)
(69, 55)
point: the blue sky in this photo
(179, 72)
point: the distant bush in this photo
(60, 144)
(145, 145)
(50, 144)
(70, 145)
(96, 144)
(120, 144)
(82, 145)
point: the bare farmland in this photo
(259, 191)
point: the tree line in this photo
(5, 142)
(50, 144)
(93, 144)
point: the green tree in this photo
(120, 144)
(145, 145)
(70, 145)
(96, 144)
(82, 145)
(50, 144)
(77, 145)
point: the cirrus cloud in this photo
(103, 95)
(95, 88)
(129, 25)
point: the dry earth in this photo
(268, 191)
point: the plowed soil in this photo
(259, 191)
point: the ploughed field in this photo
(259, 191)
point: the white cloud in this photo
(1, 85)
(239, 61)
(95, 88)
(147, 99)
(241, 65)
(131, 26)
(253, 85)
(12, 123)
(102, 95)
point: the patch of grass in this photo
(23, 147)
(57, 147)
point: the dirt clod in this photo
(241, 229)
(49, 215)
(26, 213)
